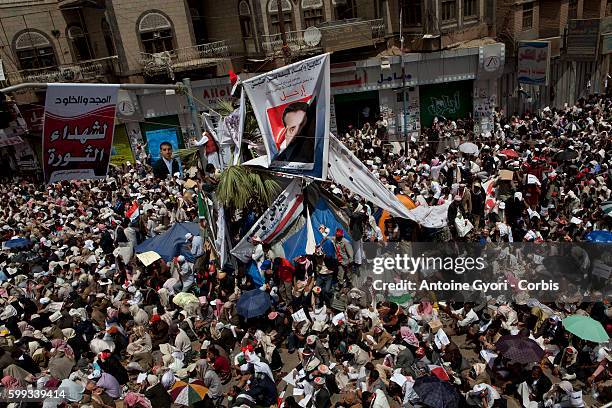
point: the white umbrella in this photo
(468, 148)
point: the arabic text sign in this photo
(292, 108)
(583, 38)
(533, 62)
(78, 131)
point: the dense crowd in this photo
(81, 313)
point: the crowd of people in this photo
(82, 314)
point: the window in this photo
(573, 10)
(609, 8)
(80, 43)
(244, 11)
(34, 50)
(344, 9)
(312, 11)
(155, 33)
(287, 12)
(470, 8)
(412, 12)
(449, 10)
(108, 38)
(527, 16)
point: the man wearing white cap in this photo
(185, 274)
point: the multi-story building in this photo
(576, 41)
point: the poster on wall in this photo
(122, 150)
(292, 108)
(78, 131)
(25, 157)
(533, 62)
(451, 100)
(156, 137)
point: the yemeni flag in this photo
(133, 212)
(490, 201)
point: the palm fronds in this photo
(251, 128)
(189, 157)
(238, 185)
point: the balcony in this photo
(335, 36)
(184, 59)
(84, 71)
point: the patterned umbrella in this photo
(436, 393)
(188, 393)
(519, 349)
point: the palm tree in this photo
(239, 186)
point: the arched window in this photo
(155, 33)
(312, 11)
(34, 50)
(80, 43)
(244, 11)
(287, 16)
(108, 38)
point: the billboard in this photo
(78, 131)
(292, 107)
(534, 62)
(583, 38)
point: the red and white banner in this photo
(489, 188)
(292, 107)
(78, 131)
(283, 212)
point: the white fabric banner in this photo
(348, 171)
(292, 108)
(237, 136)
(220, 242)
(283, 212)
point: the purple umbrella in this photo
(519, 349)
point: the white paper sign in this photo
(299, 316)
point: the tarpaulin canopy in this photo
(172, 242)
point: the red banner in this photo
(78, 131)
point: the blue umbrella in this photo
(253, 303)
(599, 236)
(436, 393)
(16, 243)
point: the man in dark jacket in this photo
(165, 165)
(535, 386)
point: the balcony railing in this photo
(76, 72)
(340, 35)
(183, 59)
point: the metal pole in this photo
(196, 124)
(281, 26)
(404, 102)
(130, 87)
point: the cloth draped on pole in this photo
(283, 212)
(348, 171)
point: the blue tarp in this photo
(295, 245)
(172, 242)
(321, 215)
(599, 236)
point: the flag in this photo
(237, 136)
(133, 212)
(283, 212)
(202, 207)
(439, 372)
(489, 189)
(311, 243)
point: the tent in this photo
(322, 214)
(172, 242)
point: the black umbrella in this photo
(436, 393)
(519, 349)
(566, 155)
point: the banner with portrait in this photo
(292, 108)
(78, 131)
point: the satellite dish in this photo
(312, 36)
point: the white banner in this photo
(533, 62)
(292, 108)
(348, 171)
(221, 241)
(283, 212)
(237, 136)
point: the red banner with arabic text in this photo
(78, 131)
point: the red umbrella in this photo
(510, 153)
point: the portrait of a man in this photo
(296, 139)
